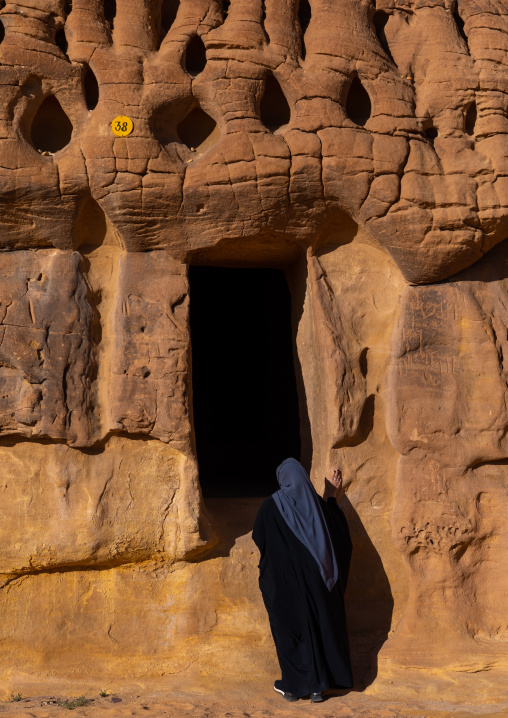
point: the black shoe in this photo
(316, 698)
(287, 696)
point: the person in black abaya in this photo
(305, 550)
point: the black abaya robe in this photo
(308, 621)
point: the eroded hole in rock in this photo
(90, 226)
(90, 89)
(67, 7)
(51, 128)
(366, 423)
(364, 361)
(2, 31)
(198, 130)
(274, 108)
(61, 41)
(169, 9)
(195, 56)
(32, 86)
(304, 16)
(380, 19)
(245, 402)
(430, 133)
(225, 8)
(470, 118)
(358, 104)
(110, 12)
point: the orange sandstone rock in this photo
(360, 146)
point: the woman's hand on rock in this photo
(333, 485)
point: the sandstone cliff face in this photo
(362, 147)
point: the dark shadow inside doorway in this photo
(245, 405)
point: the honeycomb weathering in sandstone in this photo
(362, 147)
(435, 206)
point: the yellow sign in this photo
(122, 126)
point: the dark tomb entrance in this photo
(245, 405)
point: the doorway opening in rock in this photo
(245, 405)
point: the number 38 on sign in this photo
(122, 126)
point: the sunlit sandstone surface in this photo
(362, 148)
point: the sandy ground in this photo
(250, 702)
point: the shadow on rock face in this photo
(369, 601)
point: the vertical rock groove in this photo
(304, 18)
(380, 19)
(61, 41)
(169, 9)
(110, 12)
(470, 119)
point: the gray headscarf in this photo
(298, 503)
